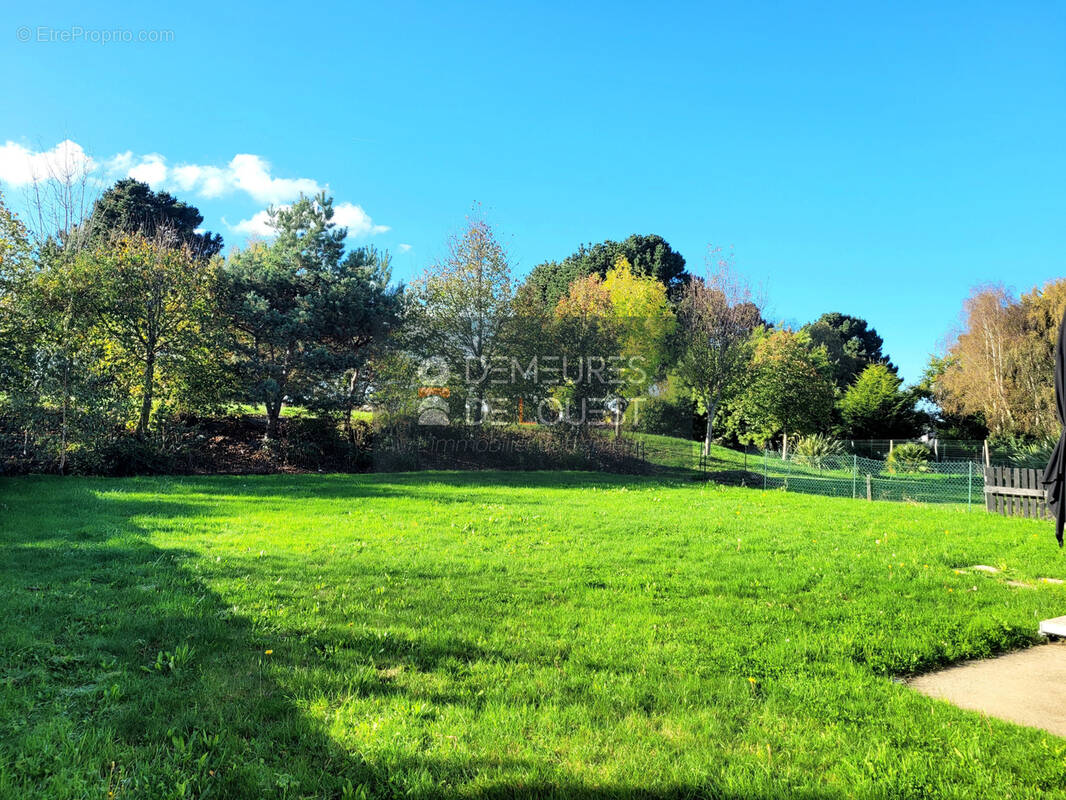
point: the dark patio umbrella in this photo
(1055, 473)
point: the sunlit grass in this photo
(253, 410)
(508, 634)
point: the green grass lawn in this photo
(503, 635)
(951, 484)
(258, 410)
(680, 458)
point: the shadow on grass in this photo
(201, 495)
(122, 670)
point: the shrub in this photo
(816, 449)
(665, 417)
(309, 442)
(556, 447)
(125, 455)
(318, 443)
(909, 457)
(1028, 453)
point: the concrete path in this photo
(1027, 687)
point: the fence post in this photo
(764, 468)
(969, 488)
(869, 487)
(854, 475)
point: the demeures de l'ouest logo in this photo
(433, 392)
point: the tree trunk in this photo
(784, 445)
(349, 401)
(273, 409)
(712, 409)
(274, 404)
(146, 397)
(65, 415)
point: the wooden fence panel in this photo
(1027, 502)
(1015, 492)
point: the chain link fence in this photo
(960, 482)
(981, 451)
(941, 449)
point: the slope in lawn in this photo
(503, 634)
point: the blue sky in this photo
(878, 159)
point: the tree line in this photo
(997, 372)
(123, 327)
(115, 330)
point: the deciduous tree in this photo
(1000, 364)
(788, 389)
(716, 318)
(648, 255)
(17, 268)
(586, 334)
(462, 305)
(152, 303)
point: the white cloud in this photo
(252, 175)
(245, 173)
(346, 215)
(152, 169)
(258, 225)
(403, 248)
(20, 166)
(119, 164)
(357, 221)
(206, 181)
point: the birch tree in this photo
(462, 305)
